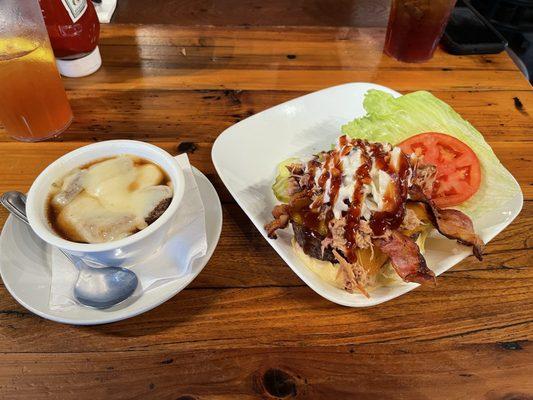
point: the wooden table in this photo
(247, 327)
(367, 13)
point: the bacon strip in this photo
(455, 225)
(281, 220)
(451, 223)
(405, 257)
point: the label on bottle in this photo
(75, 8)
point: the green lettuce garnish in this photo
(392, 120)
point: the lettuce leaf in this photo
(392, 120)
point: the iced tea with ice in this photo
(415, 28)
(33, 102)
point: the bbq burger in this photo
(361, 212)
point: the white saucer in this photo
(26, 270)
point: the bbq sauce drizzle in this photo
(315, 209)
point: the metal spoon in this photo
(96, 287)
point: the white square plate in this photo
(246, 156)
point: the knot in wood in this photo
(186, 147)
(277, 383)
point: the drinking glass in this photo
(415, 28)
(33, 102)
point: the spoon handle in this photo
(15, 203)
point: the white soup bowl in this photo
(122, 252)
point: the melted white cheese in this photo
(395, 158)
(327, 187)
(377, 188)
(350, 163)
(327, 190)
(109, 200)
(318, 173)
(373, 195)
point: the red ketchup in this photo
(74, 29)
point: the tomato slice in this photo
(458, 170)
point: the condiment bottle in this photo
(73, 29)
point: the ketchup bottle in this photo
(73, 29)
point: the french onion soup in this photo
(108, 199)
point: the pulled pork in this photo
(410, 221)
(353, 275)
(293, 186)
(424, 177)
(338, 240)
(363, 236)
(296, 169)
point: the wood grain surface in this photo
(368, 13)
(248, 327)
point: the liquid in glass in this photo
(33, 102)
(415, 28)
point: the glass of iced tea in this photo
(415, 28)
(33, 102)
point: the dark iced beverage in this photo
(415, 28)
